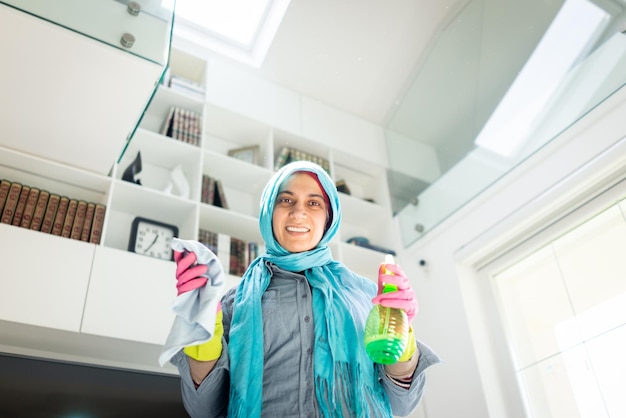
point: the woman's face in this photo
(300, 214)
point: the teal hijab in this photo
(346, 381)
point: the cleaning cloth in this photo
(195, 310)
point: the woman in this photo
(288, 341)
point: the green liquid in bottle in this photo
(386, 331)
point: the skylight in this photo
(574, 29)
(239, 29)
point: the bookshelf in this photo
(114, 282)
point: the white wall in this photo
(453, 318)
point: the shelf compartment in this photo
(231, 223)
(243, 183)
(158, 164)
(162, 102)
(53, 177)
(364, 180)
(225, 131)
(130, 200)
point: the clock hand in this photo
(156, 237)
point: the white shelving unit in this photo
(127, 296)
(366, 212)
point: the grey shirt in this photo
(288, 382)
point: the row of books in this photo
(235, 254)
(288, 154)
(212, 192)
(40, 210)
(184, 125)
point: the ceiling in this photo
(356, 55)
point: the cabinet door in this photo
(130, 297)
(44, 278)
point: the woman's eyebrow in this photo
(317, 195)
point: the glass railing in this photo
(596, 72)
(142, 28)
(76, 61)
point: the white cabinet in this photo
(129, 297)
(65, 96)
(44, 278)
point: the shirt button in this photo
(309, 351)
(307, 318)
(304, 296)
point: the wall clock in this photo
(152, 238)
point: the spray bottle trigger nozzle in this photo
(388, 288)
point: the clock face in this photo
(152, 238)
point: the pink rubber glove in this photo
(189, 275)
(404, 298)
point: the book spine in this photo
(40, 210)
(98, 224)
(167, 124)
(211, 193)
(5, 185)
(59, 218)
(176, 124)
(84, 235)
(79, 220)
(221, 195)
(66, 232)
(21, 204)
(11, 203)
(51, 211)
(204, 195)
(29, 209)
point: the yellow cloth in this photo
(410, 347)
(211, 349)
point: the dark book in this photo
(66, 232)
(59, 218)
(208, 239)
(84, 235)
(98, 224)
(40, 210)
(219, 197)
(253, 252)
(51, 211)
(21, 204)
(238, 255)
(11, 202)
(166, 129)
(175, 125)
(5, 185)
(208, 189)
(342, 186)
(79, 220)
(29, 209)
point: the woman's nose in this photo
(298, 211)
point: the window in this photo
(562, 300)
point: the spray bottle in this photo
(386, 329)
